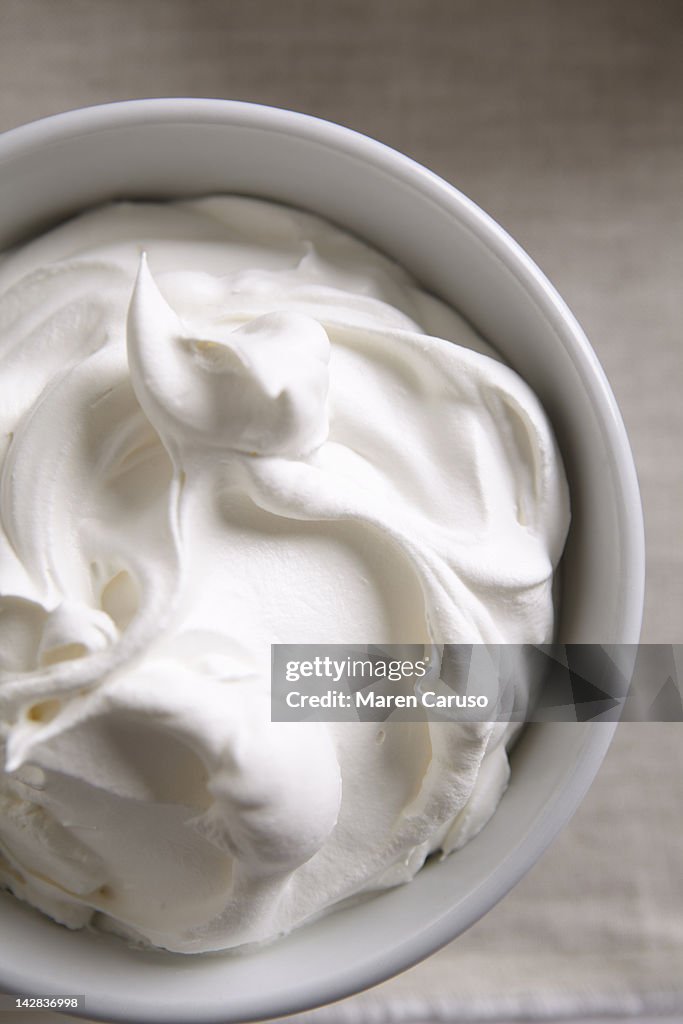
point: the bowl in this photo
(185, 147)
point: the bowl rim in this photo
(61, 127)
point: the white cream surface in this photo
(262, 431)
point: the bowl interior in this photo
(172, 148)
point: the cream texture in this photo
(259, 432)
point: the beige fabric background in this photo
(565, 121)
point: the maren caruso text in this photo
(370, 699)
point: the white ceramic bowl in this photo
(181, 147)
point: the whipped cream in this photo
(226, 424)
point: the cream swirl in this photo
(259, 432)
